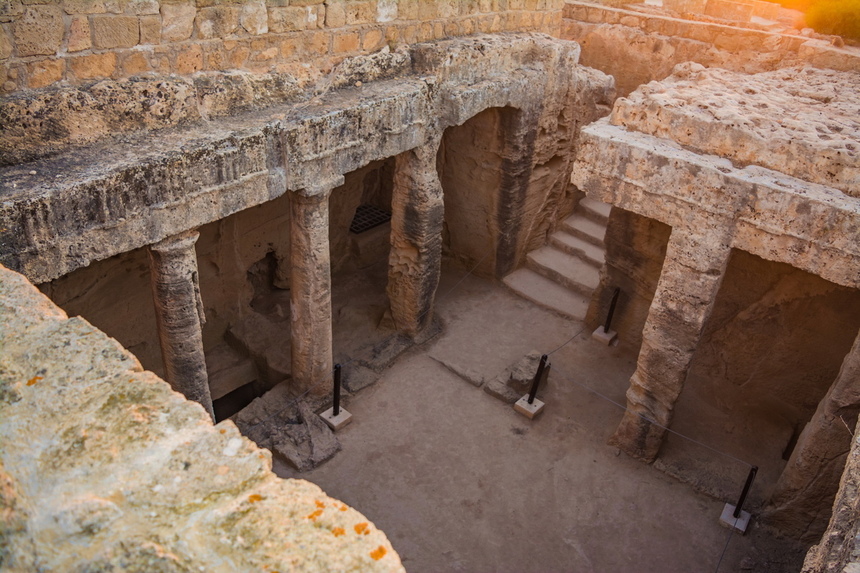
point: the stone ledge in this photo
(769, 214)
(103, 464)
(801, 122)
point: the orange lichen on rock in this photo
(315, 514)
(255, 497)
(338, 531)
(34, 379)
(378, 553)
(320, 504)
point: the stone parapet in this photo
(76, 42)
(103, 466)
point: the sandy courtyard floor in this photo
(461, 482)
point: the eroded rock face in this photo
(103, 467)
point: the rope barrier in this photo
(439, 299)
(559, 373)
(649, 420)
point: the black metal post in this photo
(537, 379)
(747, 486)
(336, 407)
(611, 309)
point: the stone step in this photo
(595, 210)
(231, 378)
(227, 370)
(546, 293)
(584, 228)
(578, 247)
(565, 269)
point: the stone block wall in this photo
(103, 468)
(637, 47)
(45, 42)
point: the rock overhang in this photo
(88, 202)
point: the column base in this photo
(529, 410)
(336, 422)
(638, 438)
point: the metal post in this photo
(336, 407)
(611, 309)
(537, 379)
(740, 504)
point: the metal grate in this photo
(367, 217)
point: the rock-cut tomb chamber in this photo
(185, 182)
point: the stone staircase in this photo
(562, 275)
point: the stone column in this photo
(512, 206)
(179, 312)
(692, 272)
(417, 214)
(310, 290)
(802, 499)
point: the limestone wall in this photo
(638, 47)
(104, 467)
(77, 41)
(838, 550)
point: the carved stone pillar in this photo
(417, 214)
(692, 272)
(803, 496)
(179, 312)
(310, 290)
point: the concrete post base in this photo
(606, 338)
(728, 519)
(528, 410)
(336, 422)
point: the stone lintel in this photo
(769, 214)
(101, 201)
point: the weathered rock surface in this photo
(286, 424)
(801, 122)
(115, 195)
(103, 467)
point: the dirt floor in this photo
(461, 482)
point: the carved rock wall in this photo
(777, 336)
